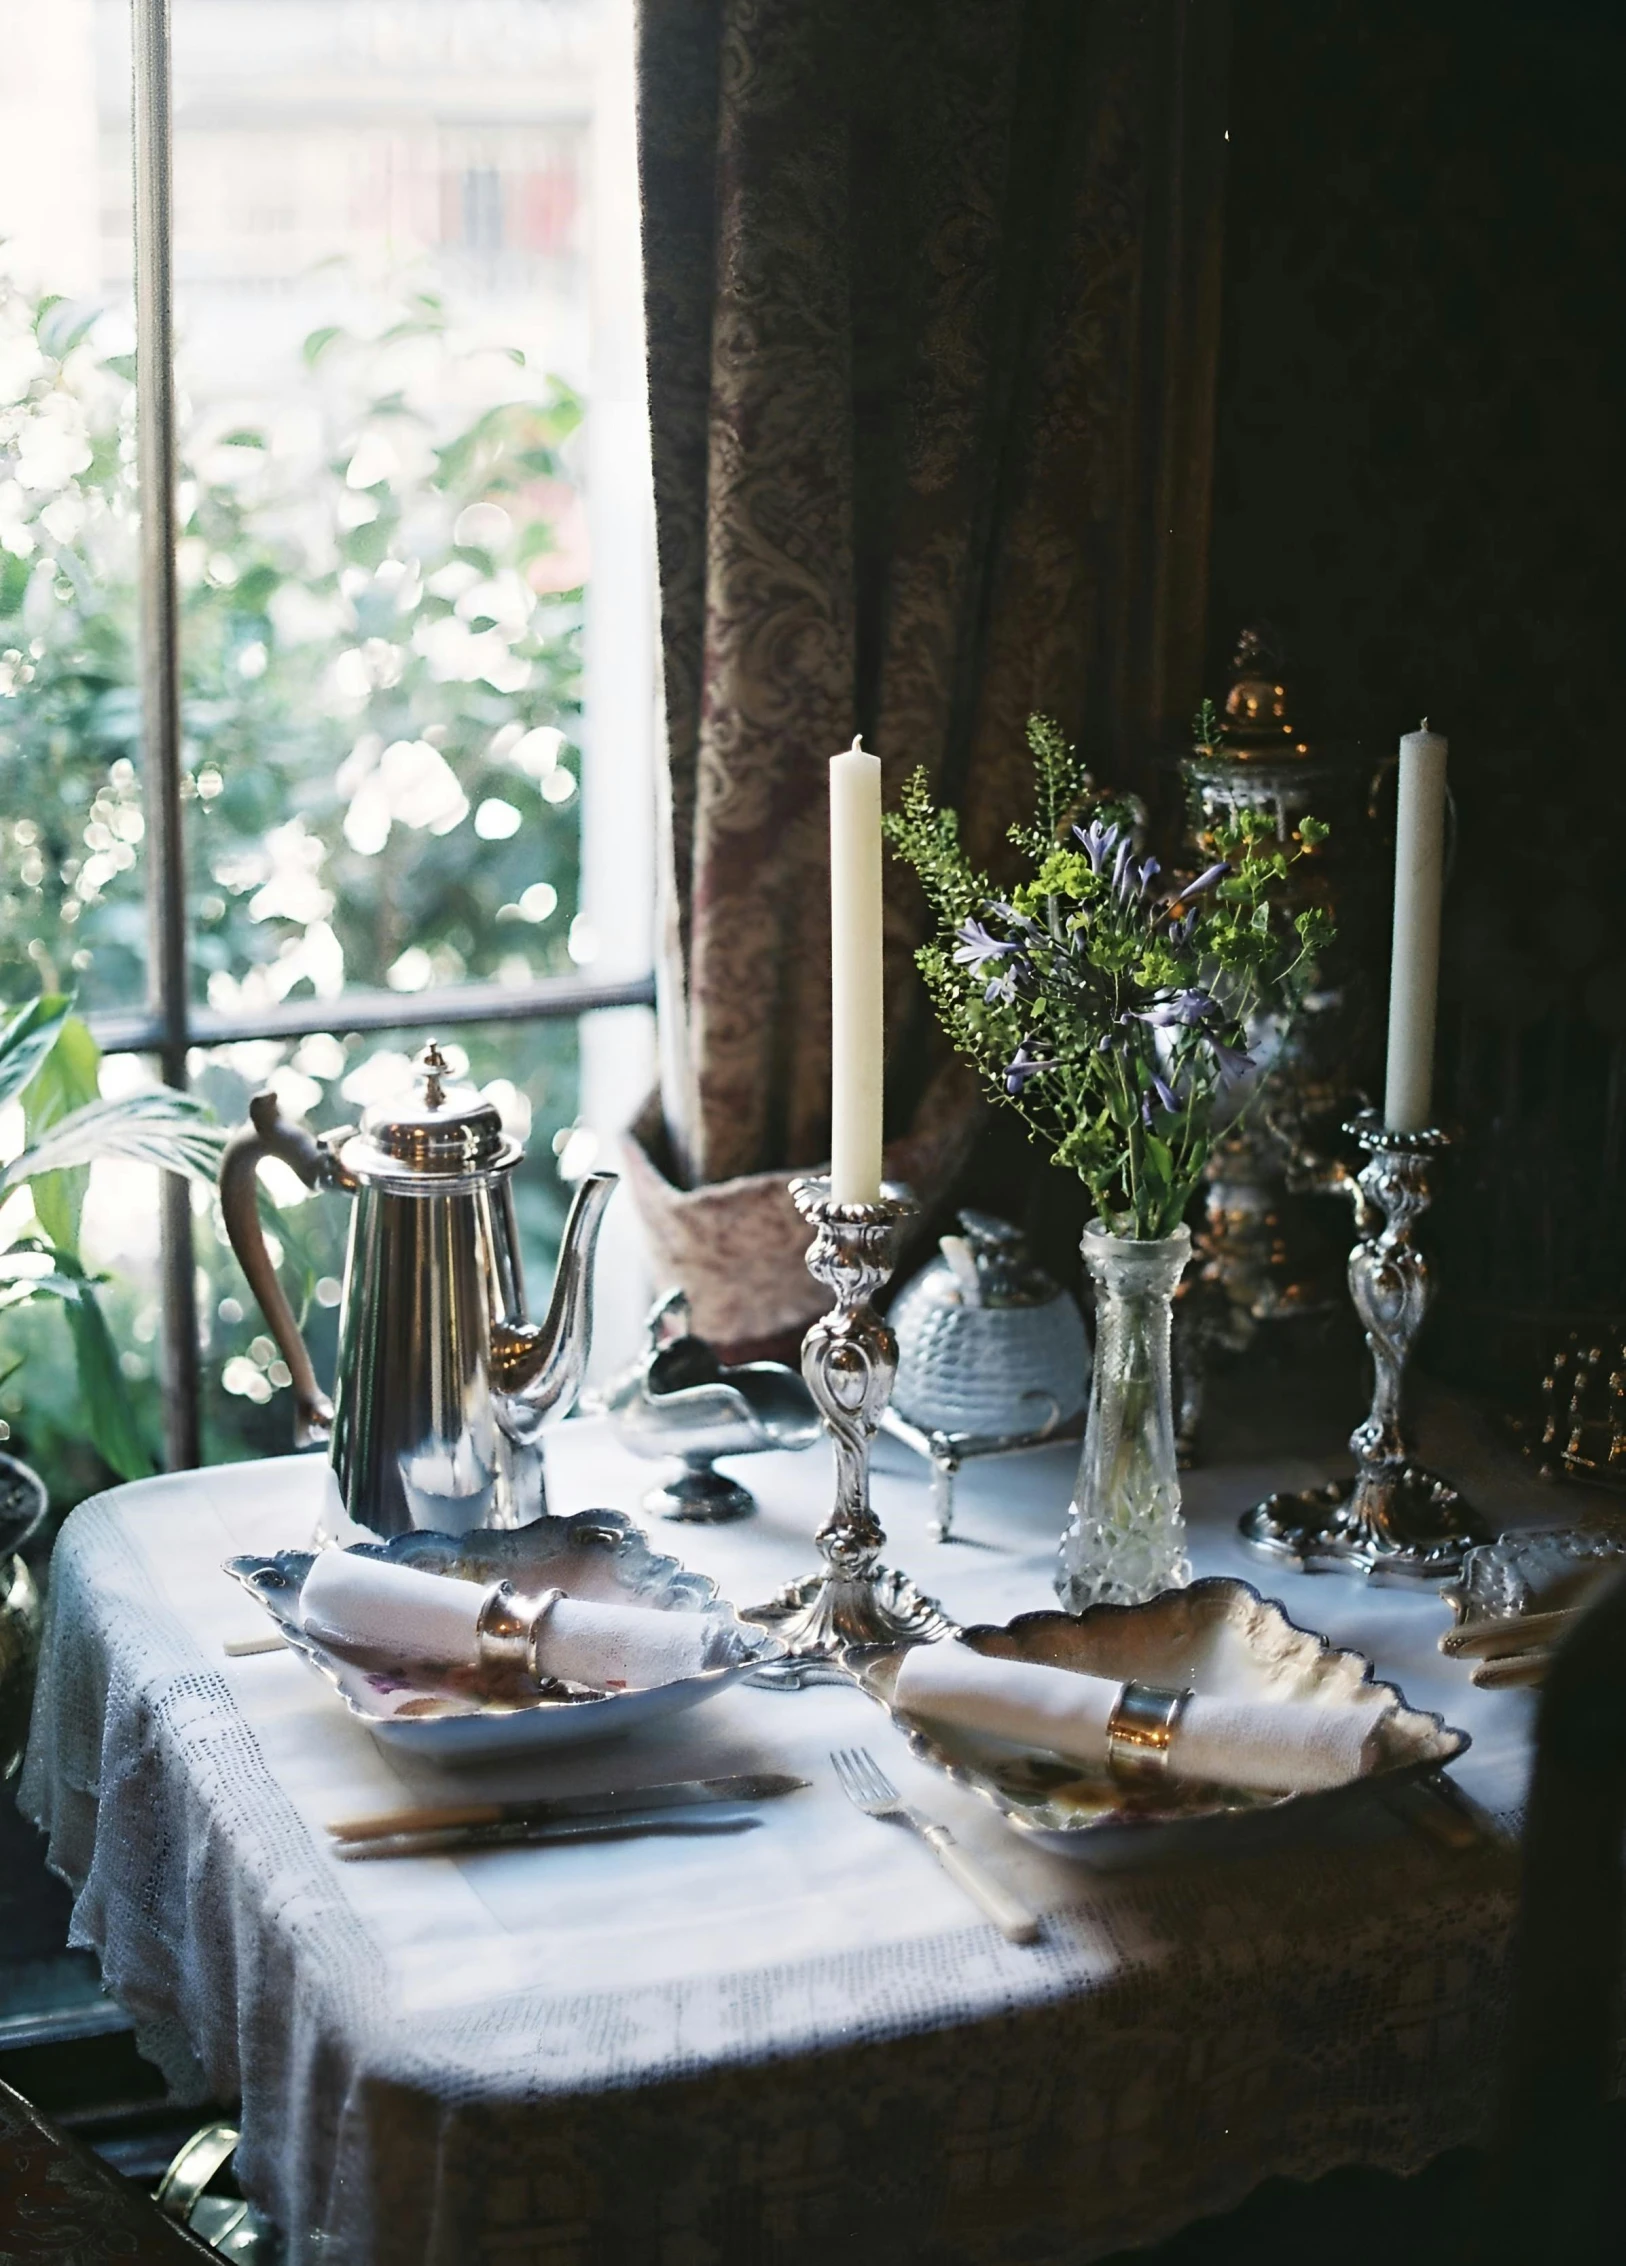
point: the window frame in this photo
(172, 1024)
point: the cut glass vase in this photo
(1125, 1538)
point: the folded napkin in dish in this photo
(350, 1600)
(1267, 1746)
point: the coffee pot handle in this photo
(267, 1134)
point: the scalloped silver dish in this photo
(459, 1716)
(1219, 1637)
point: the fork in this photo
(869, 1789)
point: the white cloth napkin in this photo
(1269, 1746)
(628, 1647)
(379, 1606)
(375, 1604)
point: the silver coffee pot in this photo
(443, 1386)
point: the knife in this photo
(609, 1802)
(715, 1817)
(1519, 1632)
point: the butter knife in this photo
(675, 1794)
(716, 1817)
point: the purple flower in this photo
(1180, 930)
(1120, 863)
(1021, 1068)
(1163, 1094)
(1098, 842)
(1203, 883)
(976, 947)
(1148, 874)
(1231, 1062)
(1184, 1009)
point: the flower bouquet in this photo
(1113, 1012)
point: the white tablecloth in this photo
(760, 2047)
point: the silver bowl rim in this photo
(1020, 1815)
(284, 1571)
(17, 1532)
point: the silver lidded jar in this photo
(989, 1346)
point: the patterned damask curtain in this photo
(930, 292)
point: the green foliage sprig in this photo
(1112, 1014)
(50, 1062)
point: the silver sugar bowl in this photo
(989, 1346)
(679, 1400)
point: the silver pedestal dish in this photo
(678, 1400)
(1395, 1520)
(849, 1359)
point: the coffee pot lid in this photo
(439, 1132)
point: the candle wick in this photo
(1423, 727)
(857, 747)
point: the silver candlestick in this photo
(849, 1359)
(1394, 1520)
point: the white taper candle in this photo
(855, 977)
(1414, 972)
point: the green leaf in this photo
(104, 1389)
(14, 574)
(28, 1038)
(66, 1081)
(110, 1414)
(174, 1132)
(23, 1277)
(317, 343)
(1160, 1160)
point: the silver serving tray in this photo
(1220, 1637)
(466, 1715)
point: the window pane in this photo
(381, 301)
(71, 826)
(529, 1070)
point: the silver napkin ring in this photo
(510, 1628)
(1140, 1732)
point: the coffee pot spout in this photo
(540, 1364)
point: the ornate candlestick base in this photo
(1394, 1521)
(849, 1359)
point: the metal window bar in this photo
(170, 1025)
(161, 690)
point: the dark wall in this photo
(1421, 482)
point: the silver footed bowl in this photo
(1219, 1637)
(679, 1400)
(465, 1715)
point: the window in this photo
(360, 746)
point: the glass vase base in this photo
(1121, 1578)
(1400, 1523)
(824, 1616)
